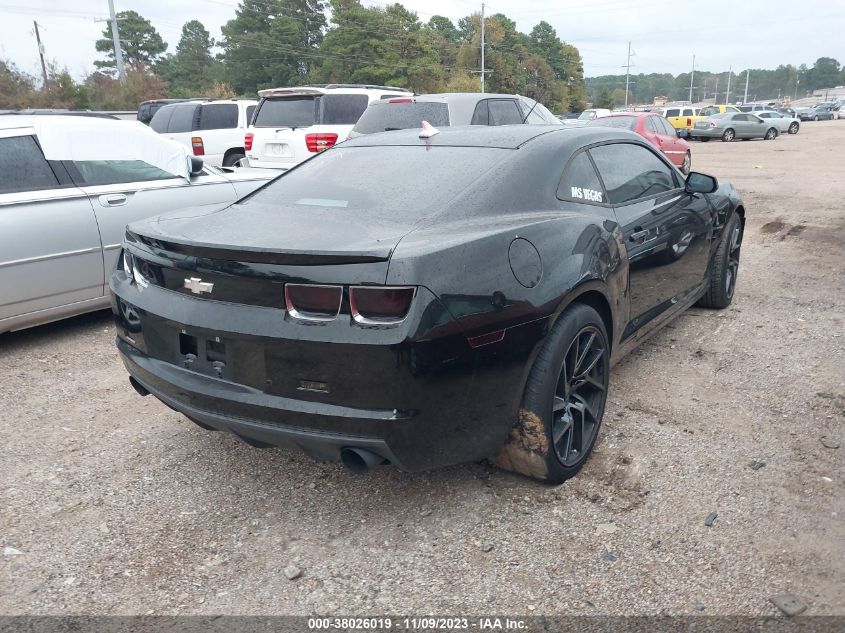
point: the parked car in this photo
(147, 109)
(733, 125)
(455, 108)
(211, 129)
(293, 124)
(788, 112)
(587, 115)
(680, 117)
(568, 116)
(817, 113)
(755, 107)
(784, 123)
(657, 130)
(708, 111)
(486, 277)
(68, 187)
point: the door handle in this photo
(113, 200)
(638, 237)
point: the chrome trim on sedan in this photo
(44, 258)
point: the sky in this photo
(664, 34)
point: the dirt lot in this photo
(113, 504)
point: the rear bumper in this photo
(420, 398)
(194, 395)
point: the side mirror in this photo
(700, 183)
(196, 165)
(682, 133)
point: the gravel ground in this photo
(113, 504)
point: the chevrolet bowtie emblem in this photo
(198, 286)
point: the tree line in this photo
(272, 43)
(763, 84)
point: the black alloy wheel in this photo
(723, 276)
(563, 401)
(579, 397)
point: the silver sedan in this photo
(68, 187)
(733, 125)
(786, 124)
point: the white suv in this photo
(211, 129)
(292, 124)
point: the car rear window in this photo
(673, 112)
(422, 179)
(341, 109)
(182, 119)
(250, 110)
(382, 117)
(620, 122)
(218, 116)
(161, 119)
(296, 111)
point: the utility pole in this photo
(483, 67)
(716, 92)
(728, 93)
(745, 98)
(691, 77)
(628, 73)
(41, 53)
(118, 52)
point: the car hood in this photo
(254, 231)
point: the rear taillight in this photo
(248, 140)
(320, 141)
(313, 302)
(196, 143)
(711, 124)
(380, 305)
(400, 100)
(689, 122)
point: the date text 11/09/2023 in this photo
(425, 623)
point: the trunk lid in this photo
(252, 231)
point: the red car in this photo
(657, 130)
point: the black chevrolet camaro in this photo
(425, 301)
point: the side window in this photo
(653, 125)
(218, 116)
(504, 112)
(342, 109)
(580, 182)
(481, 115)
(182, 119)
(111, 172)
(631, 172)
(23, 166)
(250, 110)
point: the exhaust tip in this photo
(138, 387)
(360, 460)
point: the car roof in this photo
(635, 114)
(494, 136)
(321, 89)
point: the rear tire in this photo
(563, 402)
(728, 135)
(231, 159)
(723, 276)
